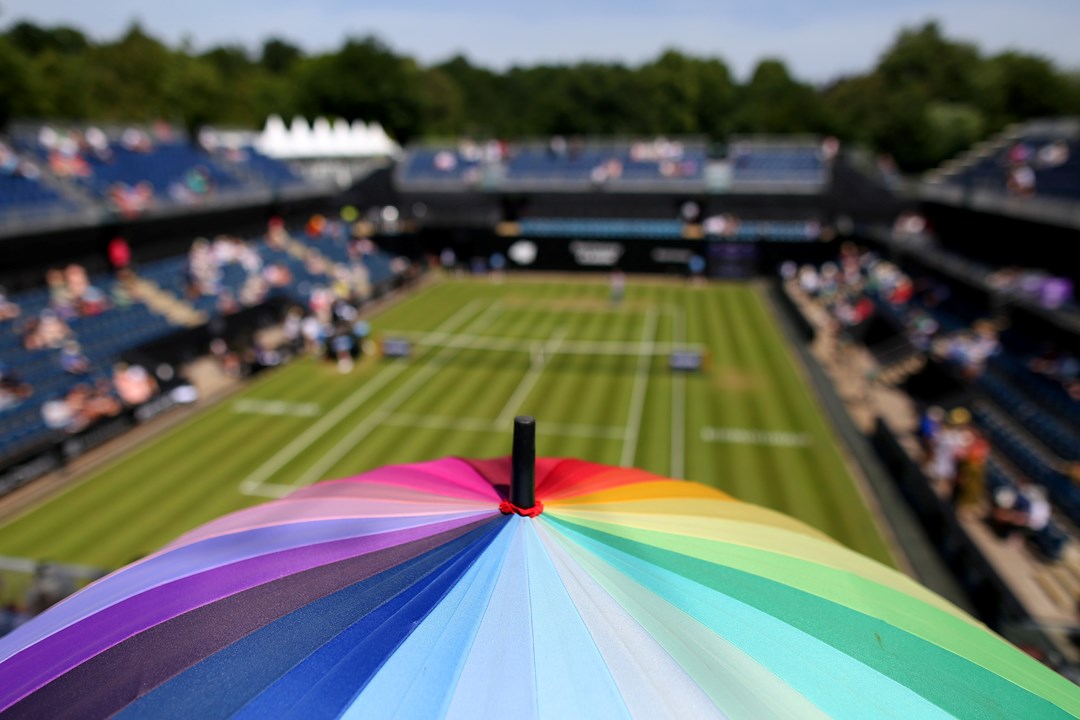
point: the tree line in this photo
(927, 98)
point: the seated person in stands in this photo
(133, 383)
(46, 332)
(1016, 514)
(88, 300)
(72, 359)
(136, 140)
(1021, 180)
(8, 309)
(130, 200)
(92, 403)
(930, 424)
(12, 390)
(9, 161)
(226, 303)
(60, 298)
(80, 408)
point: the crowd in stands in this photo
(955, 455)
(11, 165)
(81, 406)
(860, 284)
(71, 297)
(21, 188)
(128, 171)
(1037, 442)
(61, 344)
(12, 389)
(326, 267)
(1024, 159)
(1059, 366)
(560, 159)
(1039, 160)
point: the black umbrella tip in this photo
(523, 462)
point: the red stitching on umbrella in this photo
(506, 507)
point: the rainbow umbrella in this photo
(435, 590)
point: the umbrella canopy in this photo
(407, 592)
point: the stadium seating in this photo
(164, 167)
(336, 250)
(1056, 435)
(1050, 396)
(176, 170)
(1053, 158)
(616, 164)
(105, 337)
(1030, 460)
(1052, 539)
(102, 338)
(627, 162)
(23, 197)
(271, 172)
(769, 165)
(432, 164)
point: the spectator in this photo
(60, 298)
(131, 200)
(226, 303)
(72, 359)
(343, 345)
(969, 489)
(930, 425)
(947, 447)
(46, 332)
(1016, 514)
(618, 286)
(119, 254)
(1052, 155)
(136, 140)
(8, 309)
(57, 414)
(12, 390)
(81, 407)
(1021, 180)
(133, 383)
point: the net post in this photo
(523, 463)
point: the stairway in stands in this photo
(174, 308)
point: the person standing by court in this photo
(618, 286)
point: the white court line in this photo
(253, 484)
(256, 406)
(637, 396)
(528, 382)
(748, 436)
(678, 401)
(442, 422)
(392, 403)
(573, 347)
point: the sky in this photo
(819, 40)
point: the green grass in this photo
(193, 473)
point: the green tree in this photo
(18, 96)
(364, 80)
(1014, 86)
(128, 77)
(774, 102)
(279, 56)
(33, 39)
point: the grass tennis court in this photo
(595, 376)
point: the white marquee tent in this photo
(323, 140)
